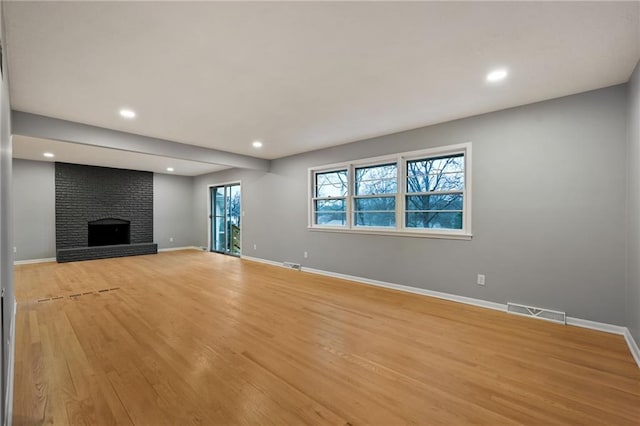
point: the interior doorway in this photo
(225, 219)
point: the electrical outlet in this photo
(480, 279)
(242, 213)
(255, 247)
(306, 255)
(171, 239)
(15, 249)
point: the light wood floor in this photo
(198, 338)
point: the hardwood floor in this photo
(198, 338)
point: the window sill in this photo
(392, 232)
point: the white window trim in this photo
(400, 229)
(312, 193)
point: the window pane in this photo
(330, 212)
(331, 219)
(377, 203)
(328, 206)
(331, 184)
(434, 202)
(375, 219)
(436, 174)
(447, 220)
(377, 180)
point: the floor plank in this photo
(199, 338)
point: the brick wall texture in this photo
(87, 193)
(92, 253)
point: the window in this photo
(329, 203)
(423, 193)
(435, 192)
(374, 201)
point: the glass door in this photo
(225, 219)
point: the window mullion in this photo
(461, 192)
(402, 171)
(350, 194)
(382, 195)
(466, 191)
(314, 193)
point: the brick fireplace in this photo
(103, 212)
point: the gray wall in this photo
(548, 216)
(34, 209)
(255, 197)
(173, 211)
(633, 194)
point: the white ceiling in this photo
(29, 148)
(305, 75)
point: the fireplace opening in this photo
(108, 232)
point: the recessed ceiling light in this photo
(257, 144)
(127, 113)
(49, 154)
(169, 169)
(496, 75)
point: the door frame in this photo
(209, 212)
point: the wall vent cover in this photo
(540, 313)
(292, 265)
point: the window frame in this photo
(352, 196)
(400, 159)
(314, 199)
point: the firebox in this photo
(108, 232)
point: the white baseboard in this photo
(594, 325)
(400, 287)
(28, 261)
(414, 290)
(53, 259)
(259, 260)
(180, 248)
(633, 346)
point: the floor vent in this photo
(292, 265)
(533, 312)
